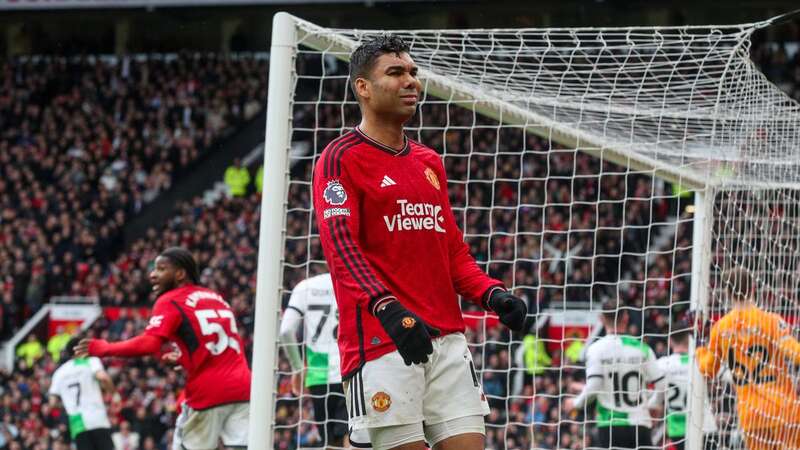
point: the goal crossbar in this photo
(690, 166)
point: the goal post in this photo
(572, 155)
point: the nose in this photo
(412, 82)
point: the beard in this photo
(167, 286)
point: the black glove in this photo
(510, 308)
(410, 334)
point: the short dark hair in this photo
(69, 350)
(183, 259)
(363, 58)
(681, 330)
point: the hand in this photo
(410, 334)
(82, 349)
(90, 347)
(171, 359)
(569, 405)
(511, 309)
(297, 384)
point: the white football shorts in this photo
(203, 429)
(387, 392)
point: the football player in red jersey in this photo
(203, 326)
(398, 263)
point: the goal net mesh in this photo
(572, 157)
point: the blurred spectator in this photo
(31, 350)
(57, 342)
(125, 439)
(259, 181)
(237, 178)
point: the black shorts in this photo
(628, 437)
(97, 439)
(330, 408)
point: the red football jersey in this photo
(203, 325)
(387, 228)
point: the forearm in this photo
(288, 338)
(593, 384)
(138, 346)
(469, 280)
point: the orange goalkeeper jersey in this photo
(757, 347)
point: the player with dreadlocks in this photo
(203, 326)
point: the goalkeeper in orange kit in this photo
(758, 349)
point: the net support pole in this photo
(701, 270)
(270, 243)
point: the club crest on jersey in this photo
(432, 178)
(334, 193)
(381, 401)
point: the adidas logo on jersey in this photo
(387, 181)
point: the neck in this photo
(385, 131)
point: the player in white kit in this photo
(79, 384)
(312, 306)
(618, 370)
(676, 368)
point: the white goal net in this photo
(584, 164)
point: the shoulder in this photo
(95, 364)
(597, 347)
(425, 153)
(321, 281)
(336, 155)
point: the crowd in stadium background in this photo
(85, 145)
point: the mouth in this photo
(409, 99)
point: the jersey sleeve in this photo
(657, 399)
(55, 384)
(164, 320)
(653, 371)
(336, 205)
(708, 358)
(594, 378)
(290, 324)
(297, 301)
(468, 279)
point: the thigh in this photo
(452, 387)
(83, 441)
(235, 424)
(398, 437)
(623, 437)
(463, 433)
(385, 392)
(101, 439)
(198, 430)
(604, 437)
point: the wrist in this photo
(487, 297)
(381, 304)
(98, 347)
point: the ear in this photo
(363, 87)
(180, 275)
